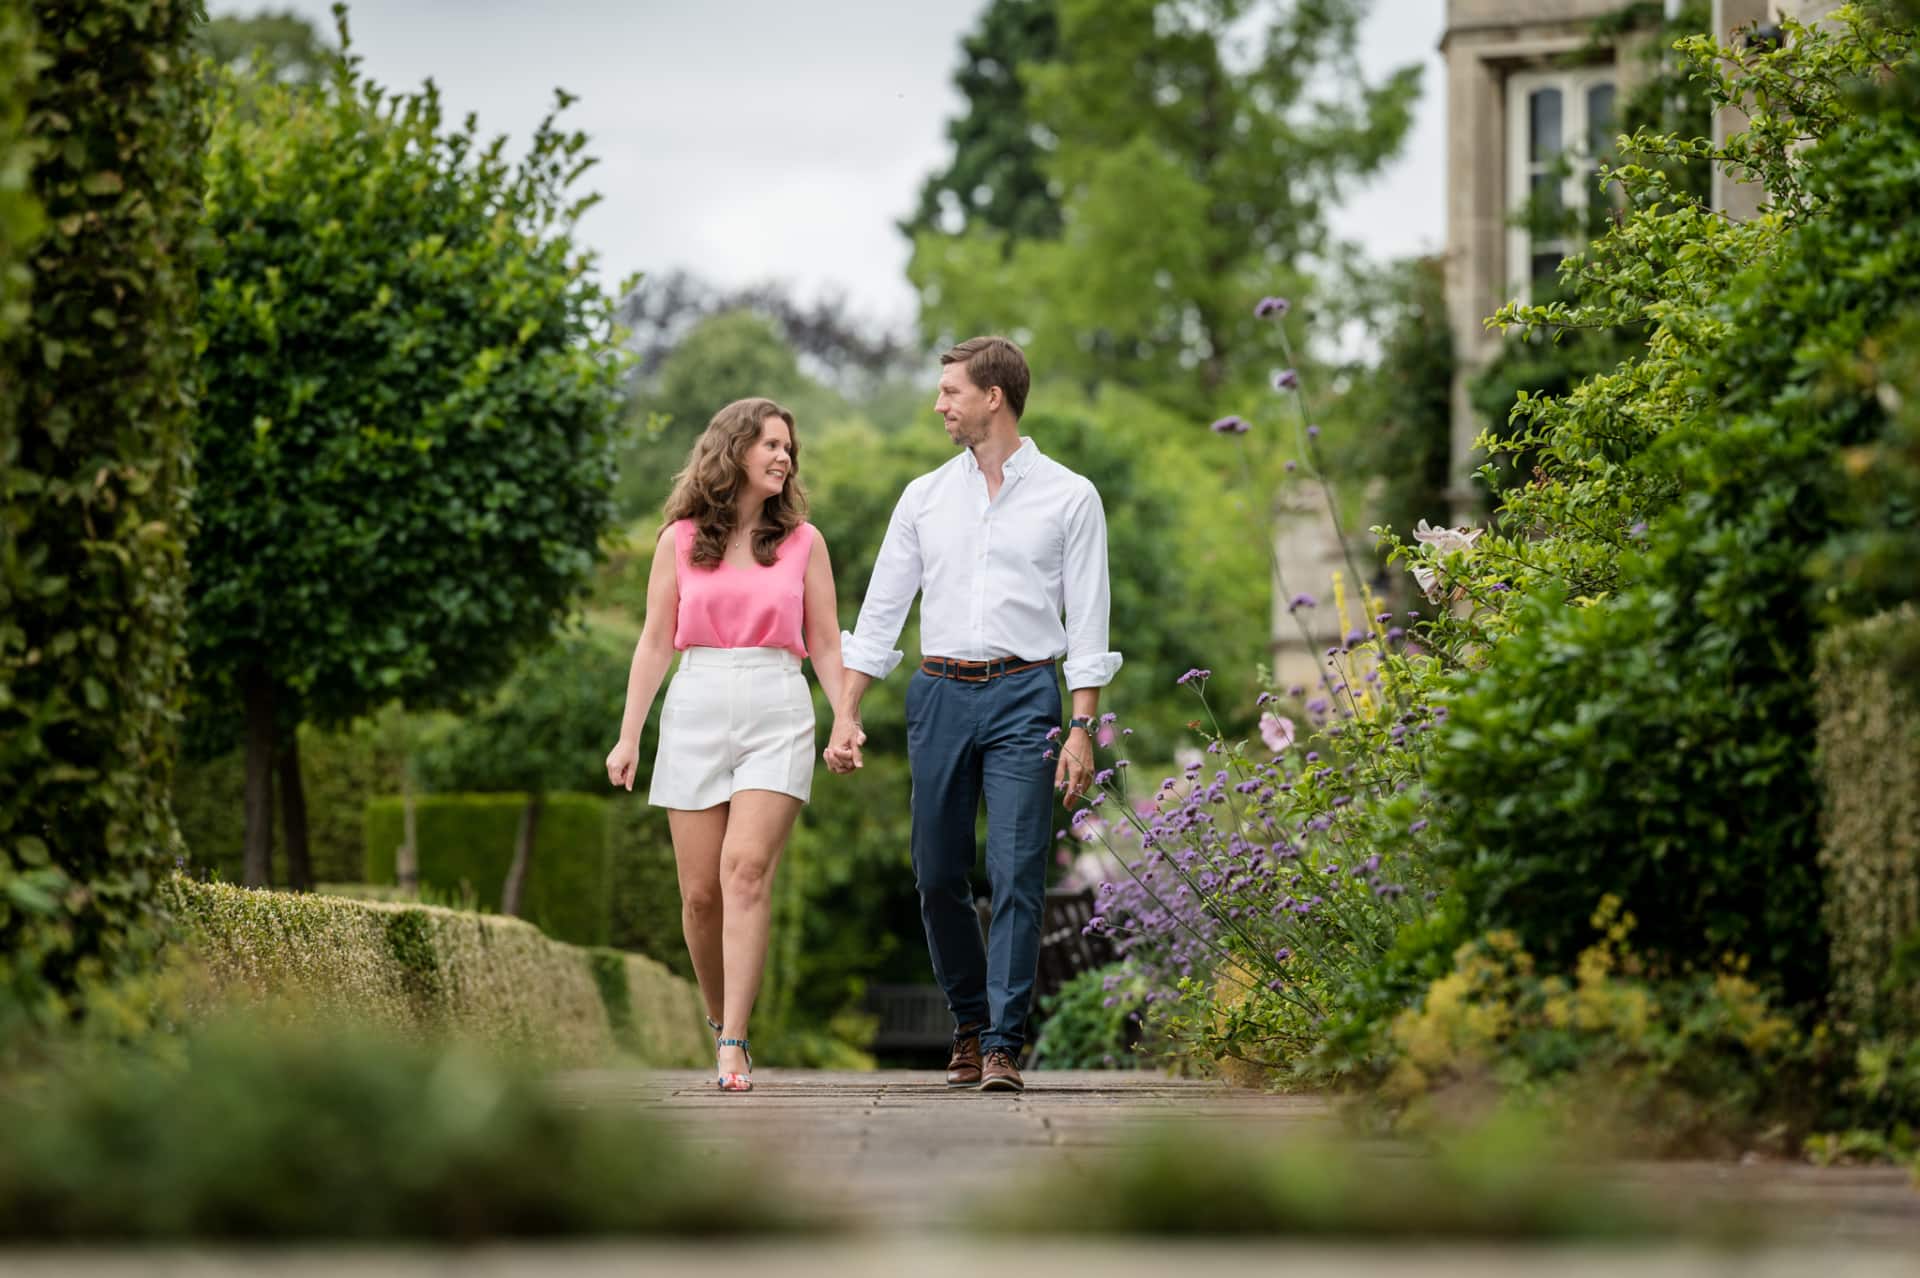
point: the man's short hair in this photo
(991, 362)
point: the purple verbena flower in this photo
(1271, 307)
(1230, 426)
(1286, 379)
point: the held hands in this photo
(843, 746)
(1074, 773)
(622, 761)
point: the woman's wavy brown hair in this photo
(705, 488)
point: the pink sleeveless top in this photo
(729, 607)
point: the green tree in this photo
(406, 445)
(96, 387)
(997, 178)
(1193, 177)
(547, 730)
(725, 357)
(279, 46)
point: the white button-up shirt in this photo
(994, 575)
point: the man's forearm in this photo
(1086, 703)
(853, 686)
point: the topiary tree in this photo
(98, 385)
(405, 450)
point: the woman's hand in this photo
(622, 761)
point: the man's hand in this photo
(1074, 773)
(843, 745)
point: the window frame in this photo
(1576, 189)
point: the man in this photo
(1000, 542)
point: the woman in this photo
(743, 589)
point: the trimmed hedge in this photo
(467, 839)
(1868, 698)
(333, 1134)
(99, 387)
(304, 958)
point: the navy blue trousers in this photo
(968, 741)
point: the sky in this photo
(748, 140)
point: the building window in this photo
(1560, 126)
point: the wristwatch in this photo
(1080, 721)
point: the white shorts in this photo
(734, 719)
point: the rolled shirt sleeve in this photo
(1089, 662)
(868, 647)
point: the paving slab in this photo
(898, 1152)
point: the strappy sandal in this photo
(712, 1025)
(737, 1082)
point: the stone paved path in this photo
(895, 1154)
(895, 1151)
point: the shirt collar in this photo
(1018, 462)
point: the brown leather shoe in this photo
(963, 1070)
(999, 1074)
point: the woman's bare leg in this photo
(756, 834)
(697, 840)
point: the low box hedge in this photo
(425, 969)
(1867, 692)
(466, 842)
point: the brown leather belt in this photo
(977, 671)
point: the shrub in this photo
(430, 971)
(98, 385)
(21, 219)
(1645, 726)
(466, 842)
(1502, 1182)
(332, 1132)
(1266, 884)
(1679, 1061)
(1869, 757)
(1091, 1022)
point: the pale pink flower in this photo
(1277, 731)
